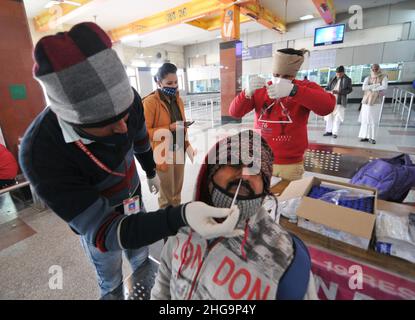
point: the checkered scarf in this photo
(84, 79)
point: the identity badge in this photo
(131, 205)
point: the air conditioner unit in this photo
(162, 56)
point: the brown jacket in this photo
(157, 116)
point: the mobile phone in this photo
(188, 123)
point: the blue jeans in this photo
(108, 265)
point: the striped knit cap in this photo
(237, 149)
(84, 79)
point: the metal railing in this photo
(203, 108)
(402, 100)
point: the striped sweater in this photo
(85, 196)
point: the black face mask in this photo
(248, 205)
(117, 139)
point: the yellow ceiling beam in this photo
(214, 23)
(48, 19)
(184, 13)
(326, 10)
(262, 15)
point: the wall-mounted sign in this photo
(322, 59)
(17, 91)
(257, 52)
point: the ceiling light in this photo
(307, 17)
(129, 38)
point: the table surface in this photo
(370, 256)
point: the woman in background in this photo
(164, 109)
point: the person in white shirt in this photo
(340, 86)
(373, 87)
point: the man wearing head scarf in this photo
(373, 88)
(79, 155)
(282, 109)
(256, 265)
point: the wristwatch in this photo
(294, 91)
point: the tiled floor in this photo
(31, 242)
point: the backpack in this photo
(393, 178)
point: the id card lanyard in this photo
(101, 165)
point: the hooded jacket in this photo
(248, 267)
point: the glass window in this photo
(215, 85)
(357, 73)
(324, 77)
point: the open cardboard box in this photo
(344, 224)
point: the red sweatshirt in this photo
(287, 140)
(8, 165)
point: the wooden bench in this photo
(21, 183)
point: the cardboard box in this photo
(341, 223)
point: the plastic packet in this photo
(288, 209)
(346, 197)
(389, 225)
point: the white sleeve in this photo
(366, 86)
(383, 86)
(161, 288)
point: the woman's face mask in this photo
(169, 91)
(248, 205)
(168, 84)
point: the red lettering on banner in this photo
(331, 282)
(407, 293)
(369, 280)
(340, 270)
(387, 287)
(238, 274)
(226, 261)
(361, 296)
(255, 293)
(329, 293)
(197, 260)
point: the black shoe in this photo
(364, 140)
(335, 136)
(327, 134)
(372, 141)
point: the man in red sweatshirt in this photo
(282, 109)
(8, 168)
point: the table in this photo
(383, 277)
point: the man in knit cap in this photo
(258, 264)
(282, 109)
(79, 153)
